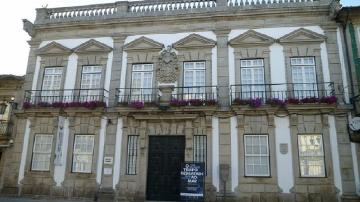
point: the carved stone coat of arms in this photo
(168, 67)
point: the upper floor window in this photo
(3, 107)
(83, 153)
(252, 78)
(311, 156)
(90, 83)
(42, 152)
(304, 77)
(51, 84)
(142, 82)
(256, 155)
(194, 80)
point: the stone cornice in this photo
(54, 48)
(194, 41)
(251, 38)
(92, 46)
(302, 36)
(143, 44)
(219, 15)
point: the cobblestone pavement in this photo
(13, 199)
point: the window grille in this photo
(42, 152)
(132, 154)
(200, 148)
(83, 153)
(311, 156)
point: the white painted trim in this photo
(215, 152)
(342, 65)
(117, 161)
(24, 151)
(123, 70)
(234, 153)
(102, 134)
(70, 77)
(277, 67)
(214, 66)
(232, 71)
(356, 168)
(335, 153)
(285, 174)
(60, 170)
(325, 64)
(108, 75)
(36, 73)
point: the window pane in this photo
(311, 155)
(132, 153)
(42, 152)
(83, 153)
(256, 155)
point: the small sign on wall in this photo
(284, 148)
(108, 160)
(107, 171)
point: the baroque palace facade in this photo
(117, 95)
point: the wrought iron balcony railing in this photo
(5, 127)
(195, 93)
(129, 95)
(44, 97)
(281, 91)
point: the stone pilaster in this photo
(116, 67)
(223, 66)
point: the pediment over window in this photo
(143, 43)
(251, 38)
(302, 36)
(54, 48)
(194, 41)
(92, 46)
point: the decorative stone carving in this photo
(54, 48)
(302, 36)
(251, 38)
(92, 46)
(168, 68)
(28, 27)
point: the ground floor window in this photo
(256, 155)
(132, 153)
(41, 152)
(311, 156)
(83, 153)
(200, 148)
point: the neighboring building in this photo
(10, 92)
(118, 95)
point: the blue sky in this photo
(14, 56)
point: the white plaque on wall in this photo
(108, 160)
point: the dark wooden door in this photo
(166, 153)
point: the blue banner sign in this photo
(192, 181)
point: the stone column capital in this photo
(222, 32)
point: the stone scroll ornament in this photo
(168, 67)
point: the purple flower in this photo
(178, 103)
(196, 102)
(293, 101)
(27, 105)
(137, 104)
(210, 102)
(257, 102)
(239, 101)
(329, 99)
(310, 100)
(276, 101)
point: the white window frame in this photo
(194, 68)
(132, 154)
(88, 154)
(254, 89)
(304, 89)
(320, 156)
(142, 92)
(51, 93)
(45, 153)
(91, 93)
(260, 155)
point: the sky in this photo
(14, 54)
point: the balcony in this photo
(5, 128)
(89, 98)
(180, 96)
(283, 93)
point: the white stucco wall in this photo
(117, 161)
(24, 151)
(234, 153)
(285, 174)
(215, 152)
(102, 135)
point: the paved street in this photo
(8, 199)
